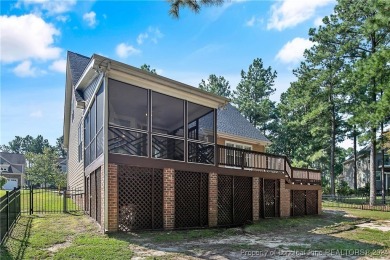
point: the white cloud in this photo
(123, 50)
(141, 37)
(292, 51)
(27, 37)
(251, 22)
(254, 21)
(90, 18)
(62, 18)
(289, 13)
(36, 114)
(51, 6)
(25, 69)
(159, 71)
(318, 22)
(59, 66)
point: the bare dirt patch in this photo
(378, 225)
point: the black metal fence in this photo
(356, 202)
(9, 212)
(51, 200)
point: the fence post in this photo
(31, 200)
(7, 194)
(64, 199)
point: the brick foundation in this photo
(169, 198)
(112, 197)
(285, 195)
(255, 198)
(213, 199)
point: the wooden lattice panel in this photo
(311, 202)
(298, 202)
(92, 186)
(242, 200)
(98, 196)
(191, 199)
(271, 193)
(140, 198)
(225, 200)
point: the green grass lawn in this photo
(2, 193)
(66, 236)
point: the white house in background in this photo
(12, 166)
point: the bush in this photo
(344, 189)
(3, 180)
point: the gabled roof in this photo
(15, 160)
(77, 63)
(230, 121)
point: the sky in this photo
(35, 36)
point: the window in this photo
(80, 144)
(93, 128)
(378, 175)
(200, 133)
(128, 119)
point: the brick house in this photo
(153, 153)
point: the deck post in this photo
(169, 198)
(213, 199)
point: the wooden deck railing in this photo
(247, 159)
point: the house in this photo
(363, 169)
(12, 166)
(153, 153)
(62, 164)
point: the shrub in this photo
(3, 180)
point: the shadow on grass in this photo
(332, 233)
(15, 245)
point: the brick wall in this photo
(112, 197)
(255, 198)
(213, 199)
(285, 195)
(102, 196)
(169, 198)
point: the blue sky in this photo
(36, 34)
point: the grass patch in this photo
(2, 193)
(371, 214)
(34, 238)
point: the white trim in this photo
(242, 139)
(235, 143)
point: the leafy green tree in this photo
(217, 85)
(43, 168)
(252, 95)
(361, 31)
(194, 5)
(59, 147)
(3, 181)
(26, 144)
(60, 180)
(148, 68)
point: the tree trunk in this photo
(372, 167)
(354, 159)
(383, 167)
(333, 144)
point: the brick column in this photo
(255, 198)
(113, 197)
(169, 198)
(102, 197)
(213, 199)
(285, 195)
(320, 201)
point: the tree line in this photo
(342, 90)
(42, 159)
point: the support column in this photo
(255, 198)
(285, 195)
(213, 199)
(112, 197)
(319, 201)
(102, 198)
(169, 198)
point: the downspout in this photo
(105, 149)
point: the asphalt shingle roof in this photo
(231, 121)
(77, 65)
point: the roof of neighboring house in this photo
(365, 151)
(77, 63)
(15, 160)
(231, 121)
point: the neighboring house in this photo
(363, 169)
(153, 153)
(63, 164)
(12, 166)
